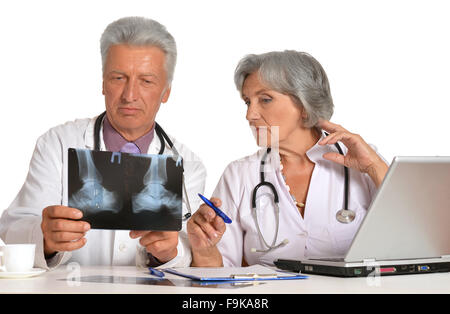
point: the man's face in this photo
(134, 85)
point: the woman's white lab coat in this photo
(46, 184)
(317, 234)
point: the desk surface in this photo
(56, 282)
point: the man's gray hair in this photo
(292, 73)
(140, 31)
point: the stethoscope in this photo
(344, 215)
(163, 138)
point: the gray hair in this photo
(140, 31)
(293, 73)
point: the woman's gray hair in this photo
(292, 73)
(140, 31)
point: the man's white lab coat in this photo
(46, 184)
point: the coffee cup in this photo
(17, 257)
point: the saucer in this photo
(26, 274)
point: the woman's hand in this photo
(205, 229)
(360, 155)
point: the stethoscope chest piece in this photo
(345, 216)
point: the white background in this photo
(388, 64)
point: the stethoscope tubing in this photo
(263, 182)
(163, 138)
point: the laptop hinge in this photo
(445, 256)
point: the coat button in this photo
(122, 247)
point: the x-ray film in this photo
(126, 191)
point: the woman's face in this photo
(273, 116)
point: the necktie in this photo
(130, 148)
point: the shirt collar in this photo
(114, 141)
(315, 153)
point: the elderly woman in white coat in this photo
(289, 105)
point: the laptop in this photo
(406, 229)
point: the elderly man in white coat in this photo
(139, 57)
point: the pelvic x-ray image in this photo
(126, 191)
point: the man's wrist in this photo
(48, 254)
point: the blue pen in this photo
(156, 272)
(219, 213)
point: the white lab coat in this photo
(317, 234)
(47, 182)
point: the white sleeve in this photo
(21, 222)
(229, 191)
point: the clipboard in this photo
(250, 273)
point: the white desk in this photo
(55, 282)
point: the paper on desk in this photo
(227, 273)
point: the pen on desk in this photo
(219, 213)
(156, 272)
